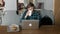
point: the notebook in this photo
(30, 24)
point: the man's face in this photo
(30, 8)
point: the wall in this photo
(25, 2)
(47, 13)
(48, 4)
(10, 5)
(40, 0)
(10, 17)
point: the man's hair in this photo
(30, 5)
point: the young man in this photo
(30, 13)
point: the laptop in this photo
(30, 24)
